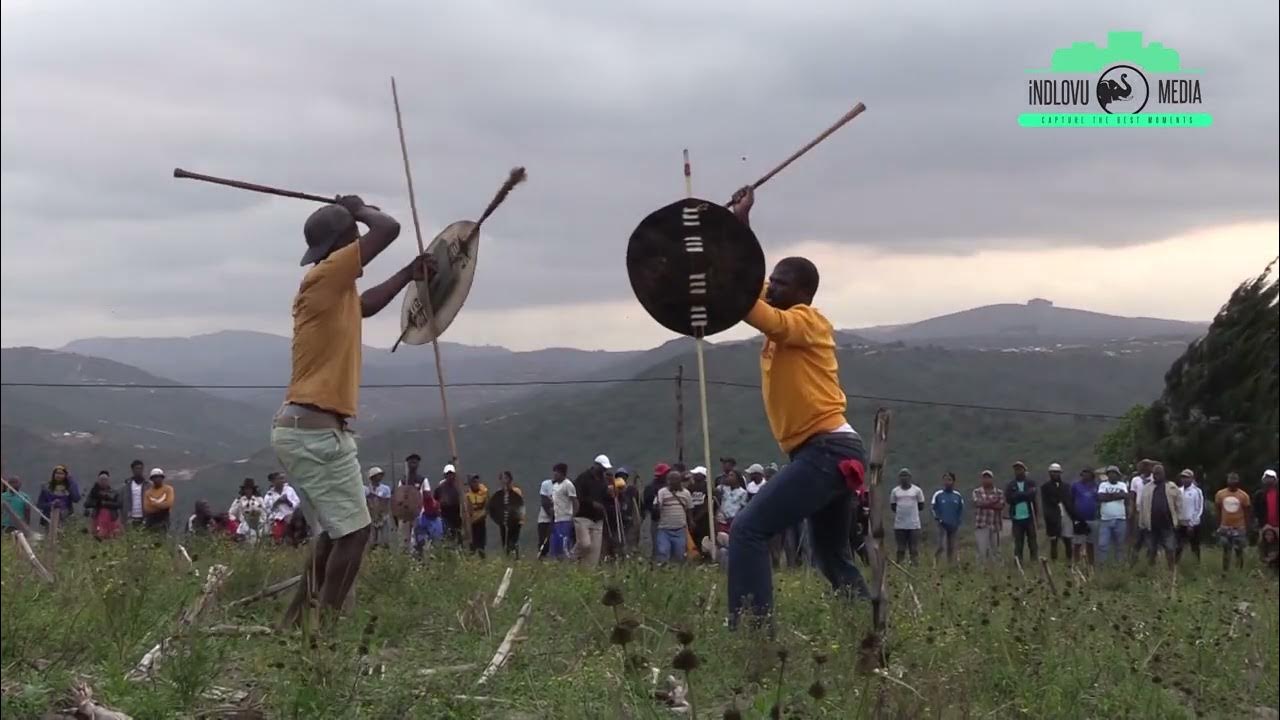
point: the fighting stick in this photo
(702, 396)
(853, 113)
(871, 656)
(424, 294)
(266, 189)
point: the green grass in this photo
(981, 644)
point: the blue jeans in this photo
(561, 538)
(670, 545)
(810, 487)
(1111, 538)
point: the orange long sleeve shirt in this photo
(799, 375)
(157, 499)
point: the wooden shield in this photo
(695, 267)
(406, 502)
(455, 269)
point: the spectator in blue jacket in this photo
(948, 512)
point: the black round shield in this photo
(695, 267)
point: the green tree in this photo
(1220, 409)
(1123, 443)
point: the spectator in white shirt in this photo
(564, 505)
(378, 497)
(1192, 511)
(134, 487)
(1113, 499)
(281, 500)
(546, 516)
(906, 502)
(248, 512)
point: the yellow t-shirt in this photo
(800, 378)
(1232, 505)
(326, 335)
(477, 500)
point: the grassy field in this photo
(1125, 644)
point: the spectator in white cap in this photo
(755, 479)
(157, 502)
(450, 499)
(592, 489)
(988, 506)
(1192, 511)
(1266, 512)
(378, 497)
(1055, 496)
(1113, 500)
(698, 517)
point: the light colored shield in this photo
(406, 501)
(455, 269)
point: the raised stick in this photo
(424, 293)
(183, 174)
(853, 113)
(702, 397)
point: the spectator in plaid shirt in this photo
(988, 503)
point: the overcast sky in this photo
(932, 201)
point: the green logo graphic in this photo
(1124, 84)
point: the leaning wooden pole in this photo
(680, 413)
(424, 293)
(702, 397)
(872, 653)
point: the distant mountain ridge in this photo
(1038, 320)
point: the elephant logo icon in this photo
(1123, 90)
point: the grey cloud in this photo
(100, 102)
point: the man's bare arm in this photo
(373, 300)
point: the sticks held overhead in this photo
(844, 120)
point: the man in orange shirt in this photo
(805, 405)
(311, 432)
(1232, 504)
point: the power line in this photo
(533, 383)
(614, 381)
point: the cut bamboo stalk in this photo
(503, 587)
(25, 548)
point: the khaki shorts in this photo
(323, 469)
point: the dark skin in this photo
(411, 463)
(383, 230)
(1087, 477)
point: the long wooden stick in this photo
(218, 574)
(183, 174)
(503, 587)
(25, 548)
(269, 591)
(844, 120)
(702, 396)
(504, 650)
(424, 292)
(872, 654)
(30, 504)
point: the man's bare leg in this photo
(343, 565)
(313, 577)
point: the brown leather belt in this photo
(302, 417)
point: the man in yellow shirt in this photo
(477, 498)
(805, 405)
(311, 433)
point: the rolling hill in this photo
(634, 423)
(91, 428)
(1038, 322)
(261, 359)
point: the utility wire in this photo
(615, 381)
(532, 383)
